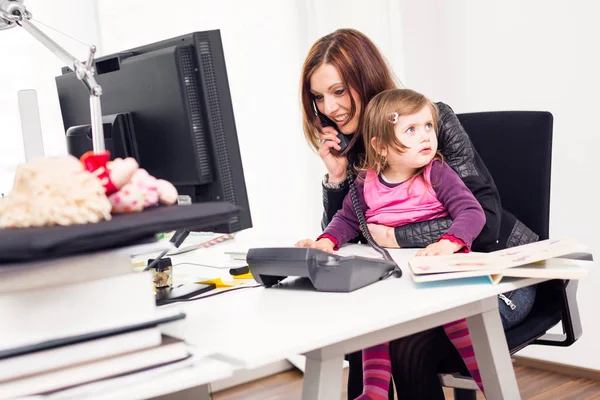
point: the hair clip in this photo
(394, 117)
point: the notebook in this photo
(170, 350)
(63, 356)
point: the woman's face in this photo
(332, 98)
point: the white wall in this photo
(516, 55)
(27, 64)
(265, 42)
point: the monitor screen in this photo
(168, 105)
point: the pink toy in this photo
(141, 190)
(129, 188)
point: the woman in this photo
(341, 74)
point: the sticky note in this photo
(218, 282)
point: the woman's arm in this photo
(333, 199)
(420, 234)
(344, 225)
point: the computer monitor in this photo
(168, 105)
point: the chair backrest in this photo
(516, 147)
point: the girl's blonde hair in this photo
(378, 123)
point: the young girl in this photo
(405, 180)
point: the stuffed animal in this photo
(54, 191)
(128, 187)
(142, 191)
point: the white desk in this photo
(254, 327)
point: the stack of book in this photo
(546, 259)
(74, 320)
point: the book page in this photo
(537, 251)
(453, 263)
(554, 268)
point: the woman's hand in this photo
(383, 235)
(444, 247)
(321, 244)
(336, 165)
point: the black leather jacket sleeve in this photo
(459, 153)
(333, 200)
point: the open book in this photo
(533, 260)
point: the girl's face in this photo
(417, 133)
(332, 98)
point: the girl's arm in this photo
(468, 217)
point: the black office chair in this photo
(516, 146)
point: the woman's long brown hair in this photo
(361, 67)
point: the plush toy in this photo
(54, 191)
(143, 190)
(128, 187)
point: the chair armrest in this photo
(571, 320)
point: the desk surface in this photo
(254, 327)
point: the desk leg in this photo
(322, 378)
(492, 354)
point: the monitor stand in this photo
(172, 294)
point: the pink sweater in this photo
(410, 201)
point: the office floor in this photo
(533, 384)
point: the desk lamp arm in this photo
(13, 13)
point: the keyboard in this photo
(327, 272)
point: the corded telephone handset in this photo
(344, 141)
(325, 121)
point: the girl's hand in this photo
(321, 244)
(336, 165)
(383, 235)
(442, 248)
